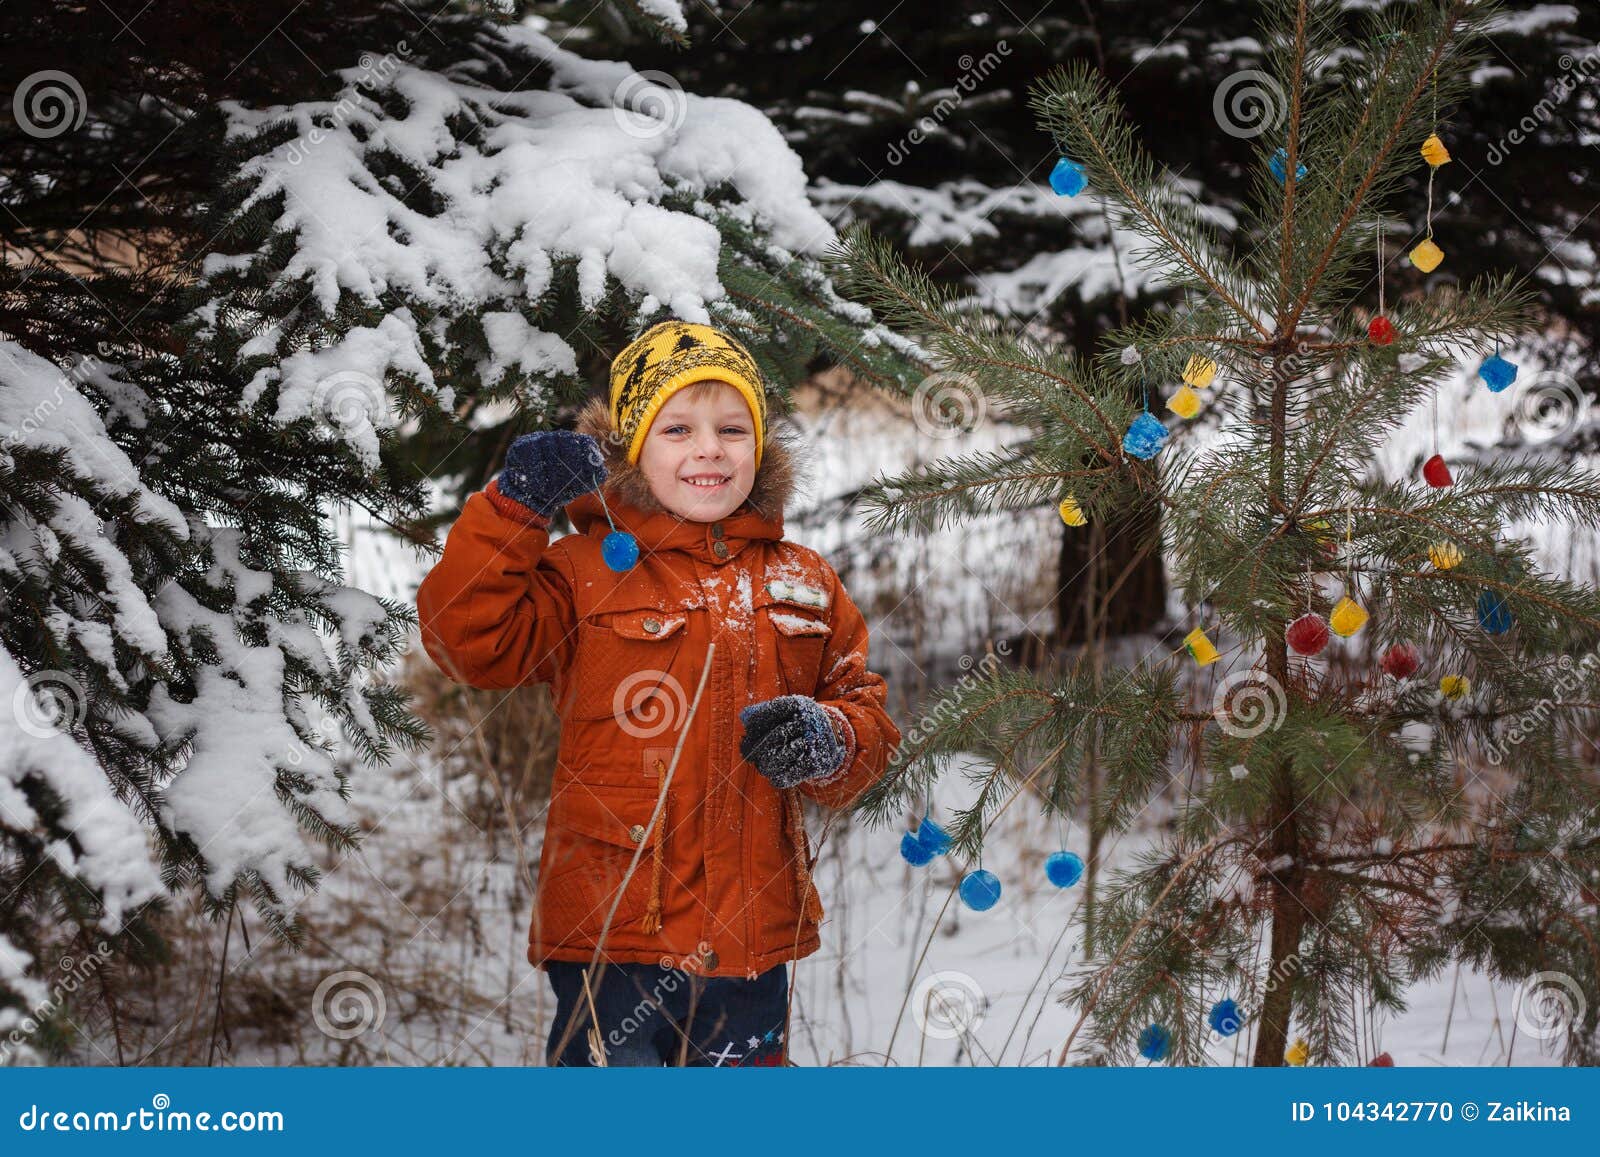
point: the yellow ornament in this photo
(1454, 686)
(1071, 513)
(1348, 617)
(1434, 152)
(1199, 372)
(1299, 1052)
(1200, 647)
(1185, 403)
(1444, 555)
(1427, 256)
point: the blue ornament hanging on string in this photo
(1493, 614)
(1068, 178)
(1496, 372)
(1063, 869)
(980, 890)
(1279, 164)
(931, 836)
(1224, 1018)
(913, 851)
(1145, 437)
(620, 550)
(1155, 1042)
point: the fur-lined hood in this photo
(770, 493)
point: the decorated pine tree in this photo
(1373, 710)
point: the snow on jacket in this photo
(723, 886)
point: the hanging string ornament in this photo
(1427, 255)
(1238, 771)
(1200, 648)
(1155, 1042)
(1145, 437)
(1444, 555)
(1494, 616)
(1063, 869)
(1401, 661)
(1455, 686)
(929, 840)
(1381, 1061)
(1199, 372)
(1299, 1052)
(619, 549)
(980, 890)
(1068, 178)
(1224, 1018)
(1279, 164)
(1380, 330)
(1436, 473)
(1496, 372)
(1348, 616)
(1307, 635)
(1071, 513)
(1184, 402)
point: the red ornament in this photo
(1436, 474)
(1401, 661)
(1307, 635)
(1381, 1061)
(1380, 331)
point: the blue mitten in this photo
(546, 470)
(790, 739)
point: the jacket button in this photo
(710, 960)
(720, 549)
(636, 833)
(716, 530)
(652, 625)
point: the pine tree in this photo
(1339, 818)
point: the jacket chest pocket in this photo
(800, 634)
(626, 669)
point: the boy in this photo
(689, 882)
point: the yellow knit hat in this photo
(669, 356)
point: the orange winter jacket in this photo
(723, 884)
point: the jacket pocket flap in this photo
(787, 622)
(650, 625)
(612, 816)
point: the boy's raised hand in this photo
(790, 740)
(547, 469)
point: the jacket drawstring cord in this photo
(652, 914)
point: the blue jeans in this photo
(650, 1015)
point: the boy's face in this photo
(700, 454)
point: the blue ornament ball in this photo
(931, 836)
(1067, 178)
(1155, 1042)
(1064, 869)
(1497, 373)
(620, 550)
(1279, 164)
(1145, 437)
(1493, 614)
(980, 890)
(913, 851)
(1224, 1018)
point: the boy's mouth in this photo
(706, 482)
